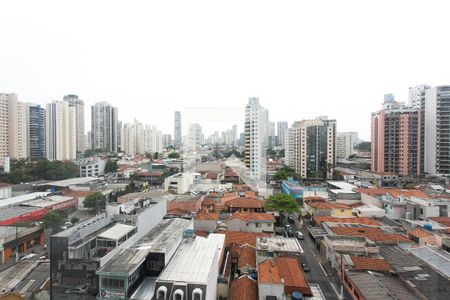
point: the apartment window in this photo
(257, 225)
(162, 292)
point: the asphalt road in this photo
(317, 274)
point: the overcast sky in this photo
(301, 58)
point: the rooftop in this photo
(245, 202)
(243, 288)
(157, 240)
(394, 192)
(437, 259)
(48, 201)
(359, 220)
(377, 287)
(71, 181)
(342, 185)
(420, 233)
(369, 263)
(278, 244)
(372, 233)
(417, 272)
(21, 198)
(15, 211)
(194, 259)
(116, 232)
(441, 220)
(328, 205)
(207, 216)
(267, 217)
(240, 237)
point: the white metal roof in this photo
(193, 260)
(437, 259)
(342, 185)
(71, 181)
(116, 232)
(47, 201)
(21, 198)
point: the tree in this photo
(110, 166)
(233, 152)
(95, 201)
(74, 220)
(283, 203)
(281, 154)
(130, 188)
(89, 153)
(365, 146)
(284, 173)
(174, 155)
(53, 220)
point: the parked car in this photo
(81, 290)
(291, 219)
(290, 233)
(306, 267)
(287, 226)
(299, 235)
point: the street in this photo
(317, 274)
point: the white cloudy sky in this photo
(149, 58)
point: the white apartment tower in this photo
(104, 121)
(282, 128)
(345, 141)
(310, 148)
(256, 139)
(78, 105)
(61, 131)
(13, 127)
(195, 135)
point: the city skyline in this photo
(285, 62)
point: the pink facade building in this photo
(396, 139)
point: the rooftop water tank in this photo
(296, 296)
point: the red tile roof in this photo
(252, 217)
(442, 220)
(419, 233)
(356, 204)
(328, 205)
(286, 271)
(243, 288)
(313, 198)
(372, 264)
(211, 175)
(375, 234)
(245, 254)
(268, 272)
(207, 202)
(241, 238)
(355, 220)
(177, 211)
(207, 216)
(244, 202)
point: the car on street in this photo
(291, 219)
(80, 290)
(289, 232)
(306, 267)
(299, 235)
(287, 227)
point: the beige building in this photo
(13, 127)
(61, 131)
(311, 147)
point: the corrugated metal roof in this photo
(436, 258)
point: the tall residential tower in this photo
(104, 134)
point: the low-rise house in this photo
(243, 288)
(245, 205)
(329, 209)
(275, 246)
(206, 221)
(421, 236)
(318, 220)
(369, 210)
(254, 222)
(375, 234)
(280, 278)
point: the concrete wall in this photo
(265, 290)
(209, 226)
(239, 225)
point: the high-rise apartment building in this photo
(282, 128)
(36, 131)
(177, 130)
(61, 133)
(437, 130)
(272, 138)
(256, 139)
(104, 120)
(195, 135)
(345, 142)
(396, 139)
(166, 139)
(78, 105)
(138, 138)
(13, 127)
(311, 148)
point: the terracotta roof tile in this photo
(207, 202)
(207, 216)
(241, 238)
(393, 192)
(355, 220)
(243, 288)
(245, 202)
(419, 233)
(375, 234)
(293, 276)
(442, 220)
(313, 198)
(252, 217)
(328, 205)
(371, 264)
(178, 212)
(245, 254)
(268, 272)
